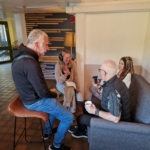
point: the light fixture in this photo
(70, 40)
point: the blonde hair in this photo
(36, 35)
(110, 67)
(61, 63)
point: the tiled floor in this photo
(7, 93)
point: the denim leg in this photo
(52, 107)
(47, 128)
(60, 87)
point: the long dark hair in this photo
(128, 67)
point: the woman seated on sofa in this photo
(125, 73)
(65, 70)
(126, 70)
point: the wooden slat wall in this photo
(55, 25)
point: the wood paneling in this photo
(55, 25)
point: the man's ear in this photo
(36, 44)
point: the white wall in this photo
(20, 28)
(110, 32)
(111, 36)
(145, 71)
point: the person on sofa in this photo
(114, 106)
(65, 70)
(126, 70)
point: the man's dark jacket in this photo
(28, 77)
(109, 88)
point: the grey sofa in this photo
(134, 135)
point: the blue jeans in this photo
(60, 87)
(56, 110)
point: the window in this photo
(5, 46)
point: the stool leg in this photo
(25, 133)
(42, 134)
(50, 125)
(14, 134)
(51, 128)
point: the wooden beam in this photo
(33, 21)
(56, 47)
(48, 23)
(55, 29)
(48, 59)
(37, 14)
(37, 17)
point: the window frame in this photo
(7, 34)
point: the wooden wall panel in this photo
(55, 25)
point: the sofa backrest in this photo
(140, 100)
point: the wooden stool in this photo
(17, 109)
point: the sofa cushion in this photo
(140, 100)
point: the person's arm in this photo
(127, 80)
(114, 107)
(75, 76)
(108, 116)
(33, 72)
(105, 115)
(60, 78)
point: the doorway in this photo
(5, 46)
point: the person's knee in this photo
(82, 119)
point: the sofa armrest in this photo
(104, 134)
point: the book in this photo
(71, 83)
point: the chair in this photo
(17, 109)
(134, 135)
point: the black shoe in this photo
(46, 136)
(73, 129)
(79, 134)
(63, 147)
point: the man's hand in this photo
(96, 84)
(90, 108)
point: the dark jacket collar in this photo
(106, 83)
(23, 50)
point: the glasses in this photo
(102, 70)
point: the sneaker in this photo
(79, 134)
(73, 129)
(46, 136)
(63, 147)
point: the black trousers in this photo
(84, 119)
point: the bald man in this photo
(114, 106)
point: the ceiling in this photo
(9, 7)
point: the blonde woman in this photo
(65, 70)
